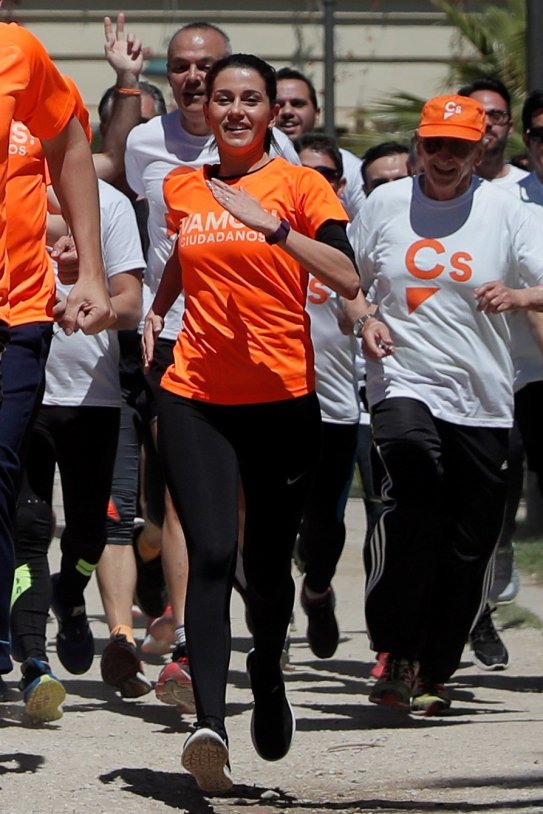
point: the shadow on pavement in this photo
(23, 763)
(180, 792)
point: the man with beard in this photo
(489, 651)
(496, 101)
(298, 114)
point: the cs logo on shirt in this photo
(422, 260)
(317, 292)
(20, 139)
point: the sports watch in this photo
(280, 233)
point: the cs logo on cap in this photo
(451, 108)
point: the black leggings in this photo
(82, 440)
(206, 449)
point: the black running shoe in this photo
(322, 628)
(121, 668)
(488, 650)
(75, 644)
(272, 723)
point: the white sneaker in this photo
(205, 756)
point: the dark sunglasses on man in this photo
(328, 173)
(460, 148)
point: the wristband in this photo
(128, 91)
(280, 233)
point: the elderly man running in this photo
(442, 251)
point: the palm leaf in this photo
(489, 43)
(497, 36)
(471, 26)
(402, 111)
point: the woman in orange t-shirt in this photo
(238, 402)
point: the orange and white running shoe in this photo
(174, 684)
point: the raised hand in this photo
(124, 52)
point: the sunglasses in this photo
(535, 134)
(460, 148)
(498, 116)
(328, 173)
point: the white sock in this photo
(180, 637)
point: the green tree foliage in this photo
(491, 43)
(498, 38)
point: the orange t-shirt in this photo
(245, 335)
(31, 91)
(31, 277)
(81, 113)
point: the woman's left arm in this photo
(330, 265)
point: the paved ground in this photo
(108, 756)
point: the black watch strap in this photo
(280, 233)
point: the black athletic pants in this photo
(526, 439)
(206, 449)
(22, 369)
(322, 534)
(444, 500)
(528, 412)
(82, 441)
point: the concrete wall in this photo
(381, 47)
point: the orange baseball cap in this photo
(452, 116)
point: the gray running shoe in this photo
(506, 583)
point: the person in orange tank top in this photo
(238, 403)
